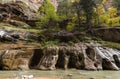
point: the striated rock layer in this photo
(79, 56)
(110, 34)
(19, 11)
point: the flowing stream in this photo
(61, 74)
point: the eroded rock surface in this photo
(14, 60)
(80, 56)
(18, 11)
(110, 34)
(14, 36)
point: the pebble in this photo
(69, 75)
(91, 78)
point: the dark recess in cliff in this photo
(36, 57)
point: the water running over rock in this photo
(79, 56)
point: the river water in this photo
(61, 74)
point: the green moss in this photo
(107, 43)
(71, 43)
(50, 43)
(110, 44)
(30, 41)
(10, 27)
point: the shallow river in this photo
(61, 74)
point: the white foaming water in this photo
(99, 52)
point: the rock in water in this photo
(91, 78)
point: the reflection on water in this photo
(62, 74)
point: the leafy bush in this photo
(110, 44)
(48, 15)
(50, 43)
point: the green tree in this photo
(64, 9)
(65, 13)
(88, 8)
(48, 15)
(117, 3)
(78, 10)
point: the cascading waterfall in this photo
(98, 50)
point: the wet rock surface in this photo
(14, 36)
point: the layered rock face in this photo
(35, 4)
(14, 36)
(79, 56)
(14, 60)
(19, 11)
(110, 34)
(22, 10)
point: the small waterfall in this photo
(109, 56)
(113, 52)
(98, 51)
(106, 53)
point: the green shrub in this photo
(71, 43)
(50, 43)
(110, 44)
(48, 15)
